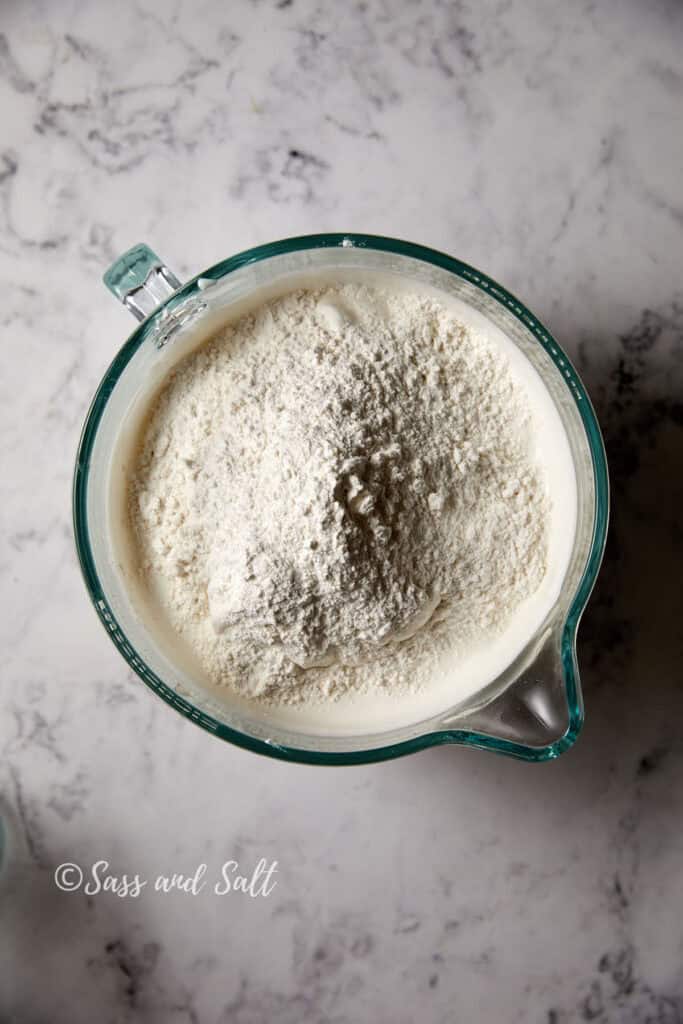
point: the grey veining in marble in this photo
(541, 142)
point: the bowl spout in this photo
(540, 713)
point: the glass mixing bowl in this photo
(532, 710)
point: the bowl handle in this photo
(140, 280)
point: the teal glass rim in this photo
(429, 739)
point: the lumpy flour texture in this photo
(337, 490)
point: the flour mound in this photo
(336, 486)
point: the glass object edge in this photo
(579, 599)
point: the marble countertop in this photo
(540, 142)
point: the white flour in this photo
(335, 491)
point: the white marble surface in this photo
(542, 142)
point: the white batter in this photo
(376, 701)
